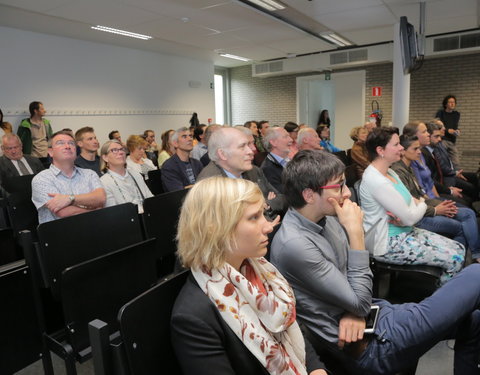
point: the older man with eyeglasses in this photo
(64, 189)
(13, 162)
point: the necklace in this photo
(138, 197)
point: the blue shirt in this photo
(394, 230)
(280, 160)
(230, 175)
(328, 146)
(424, 176)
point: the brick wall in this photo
(460, 76)
(275, 98)
(272, 99)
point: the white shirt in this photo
(377, 196)
(25, 162)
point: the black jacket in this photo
(174, 176)
(7, 169)
(205, 344)
(272, 170)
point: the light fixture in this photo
(336, 39)
(270, 5)
(234, 57)
(121, 32)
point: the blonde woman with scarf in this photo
(236, 312)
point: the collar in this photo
(56, 171)
(430, 149)
(277, 158)
(310, 225)
(230, 175)
(119, 176)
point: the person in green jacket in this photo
(35, 132)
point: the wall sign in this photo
(376, 91)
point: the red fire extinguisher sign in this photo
(376, 91)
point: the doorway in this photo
(344, 98)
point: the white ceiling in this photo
(202, 28)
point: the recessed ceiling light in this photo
(121, 32)
(234, 57)
(270, 5)
(336, 39)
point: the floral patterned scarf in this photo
(259, 306)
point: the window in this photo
(222, 96)
(219, 100)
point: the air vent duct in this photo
(267, 68)
(324, 61)
(357, 55)
(455, 42)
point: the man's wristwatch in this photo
(72, 198)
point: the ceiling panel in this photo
(269, 33)
(168, 28)
(318, 7)
(230, 16)
(370, 36)
(156, 5)
(34, 5)
(107, 13)
(300, 46)
(357, 19)
(220, 41)
(232, 25)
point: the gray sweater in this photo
(327, 277)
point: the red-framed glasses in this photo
(335, 186)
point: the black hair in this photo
(33, 106)
(290, 126)
(445, 100)
(198, 131)
(110, 135)
(432, 126)
(260, 124)
(378, 137)
(407, 140)
(324, 119)
(309, 169)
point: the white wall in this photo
(349, 105)
(107, 87)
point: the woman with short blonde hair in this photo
(137, 159)
(358, 152)
(236, 312)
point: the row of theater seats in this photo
(83, 268)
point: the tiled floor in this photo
(438, 361)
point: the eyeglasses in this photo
(63, 143)
(116, 150)
(12, 148)
(335, 186)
